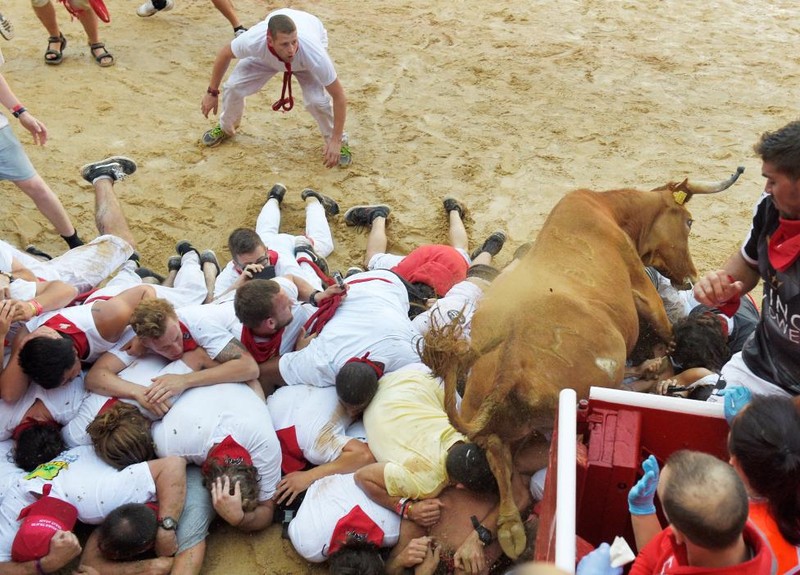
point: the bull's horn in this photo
(709, 187)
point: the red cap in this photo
(227, 451)
(40, 521)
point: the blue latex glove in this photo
(735, 399)
(640, 497)
(598, 562)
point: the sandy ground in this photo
(507, 105)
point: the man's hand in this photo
(166, 386)
(6, 316)
(641, 495)
(426, 512)
(227, 505)
(292, 485)
(37, 129)
(166, 542)
(64, 547)
(303, 340)
(469, 557)
(331, 153)
(332, 290)
(716, 288)
(209, 104)
(735, 399)
(431, 561)
(414, 553)
(598, 562)
(157, 408)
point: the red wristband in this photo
(38, 309)
(16, 108)
(212, 91)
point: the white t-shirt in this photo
(63, 403)
(204, 416)
(459, 304)
(81, 478)
(373, 318)
(312, 54)
(281, 244)
(326, 502)
(9, 472)
(318, 419)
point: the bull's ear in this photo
(681, 197)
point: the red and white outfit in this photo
(223, 314)
(310, 423)
(205, 416)
(372, 318)
(311, 67)
(62, 402)
(663, 556)
(459, 305)
(79, 477)
(334, 508)
(83, 267)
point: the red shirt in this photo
(663, 556)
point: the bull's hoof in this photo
(511, 536)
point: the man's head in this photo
(242, 473)
(156, 324)
(127, 532)
(701, 341)
(263, 307)
(247, 248)
(704, 500)
(356, 556)
(121, 436)
(467, 465)
(49, 361)
(357, 384)
(37, 443)
(282, 37)
(780, 156)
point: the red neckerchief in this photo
(329, 306)
(784, 244)
(273, 259)
(292, 458)
(227, 451)
(365, 359)
(262, 350)
(327, 280)
(189, 343)
(62, 325)
(284, 104)
(110, 402)
(356, 525)
(29, 422)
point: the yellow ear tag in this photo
(679, 197)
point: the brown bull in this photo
(566, 316)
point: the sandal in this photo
(105, 58)
(54, 57)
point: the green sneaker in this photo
(214, 137)
(345, 156)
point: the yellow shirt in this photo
(407, 428)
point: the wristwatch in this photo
(167, 523)
(484, 535)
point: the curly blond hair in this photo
(149, 317)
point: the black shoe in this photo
(493, 244)
(115, 167)
(364, 215)
(522, 250)
(34, 251)
(353, 270)
(320, 262)
(330, 205)
(209, 257)
(135, 258)
(148, 273)
(451, 204)
(183, 247)
(277, 191)
(174, 263)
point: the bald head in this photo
(704, 499)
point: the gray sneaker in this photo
(330, 205)
(6, 28)
(345, 155)
(214, 137)
(363, 216)
(493, 244)
(451, 204)
(116, 167)
(277, 192)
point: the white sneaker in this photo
(147, 9)
(6, 28)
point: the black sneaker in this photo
(277, 191)
(451, 204)
(174, 263)
(364, 215)
(330, 205)
(148, 273)
(209, 257)
(493, 244)
(183, 247)
(116, 167)
(353, 270)
(34, 251)
(306, 250)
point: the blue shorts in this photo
(14, 163)
(198, 511)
